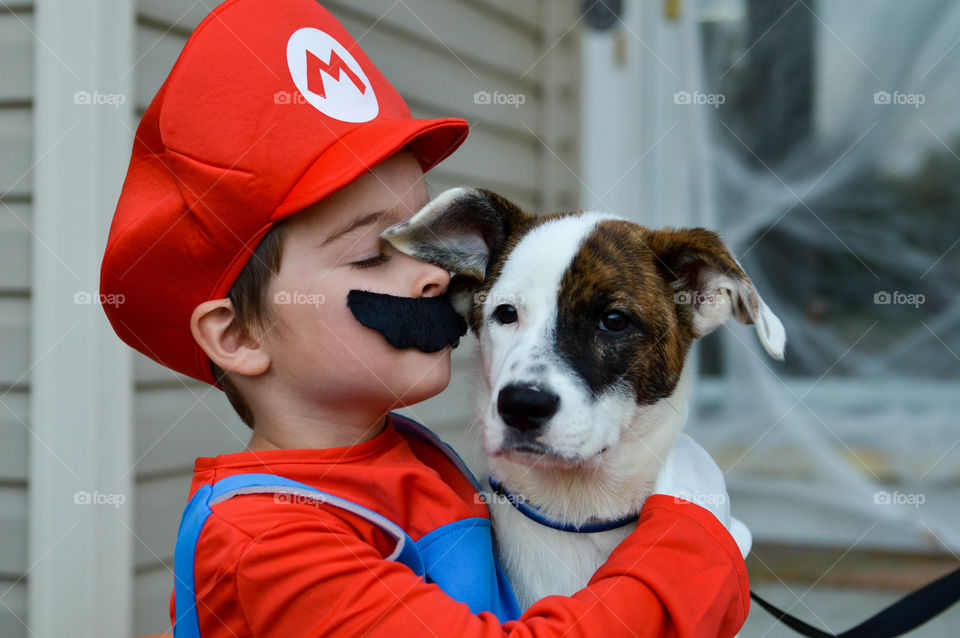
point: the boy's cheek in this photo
(333, 354)
(315, 321)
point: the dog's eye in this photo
(614, 321)
(505, 313)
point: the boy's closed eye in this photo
(364, 231)
(372, 262)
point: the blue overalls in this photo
(471, 574)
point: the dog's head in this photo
(584, 319)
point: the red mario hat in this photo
(270, 107)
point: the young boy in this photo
(261, 176)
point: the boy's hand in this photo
(690, 473)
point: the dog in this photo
(584, 321)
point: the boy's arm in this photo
(678, 574)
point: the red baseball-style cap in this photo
(270, 107)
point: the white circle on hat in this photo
(329, 78)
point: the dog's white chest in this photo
(540, 561)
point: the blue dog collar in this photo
(535, 514)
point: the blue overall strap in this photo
(405, 424)
(187, 624)
(459, 556)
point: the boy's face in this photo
(318, 350)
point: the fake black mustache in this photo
(425, 323)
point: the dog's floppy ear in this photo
(463, 230)
(710, 285)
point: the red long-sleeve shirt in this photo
(272, 566)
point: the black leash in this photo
(909, 612)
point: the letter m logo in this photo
(336, 68)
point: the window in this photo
(835, 156)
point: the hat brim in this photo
(356, 153)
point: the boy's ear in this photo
(463, 230)
(215, 329)
(710, 285)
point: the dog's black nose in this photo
(525, 406)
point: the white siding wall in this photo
(16, 86)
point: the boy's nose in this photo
(430, 280)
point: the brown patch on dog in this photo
(626, 268)
(615, 271)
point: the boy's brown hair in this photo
(251, 306)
